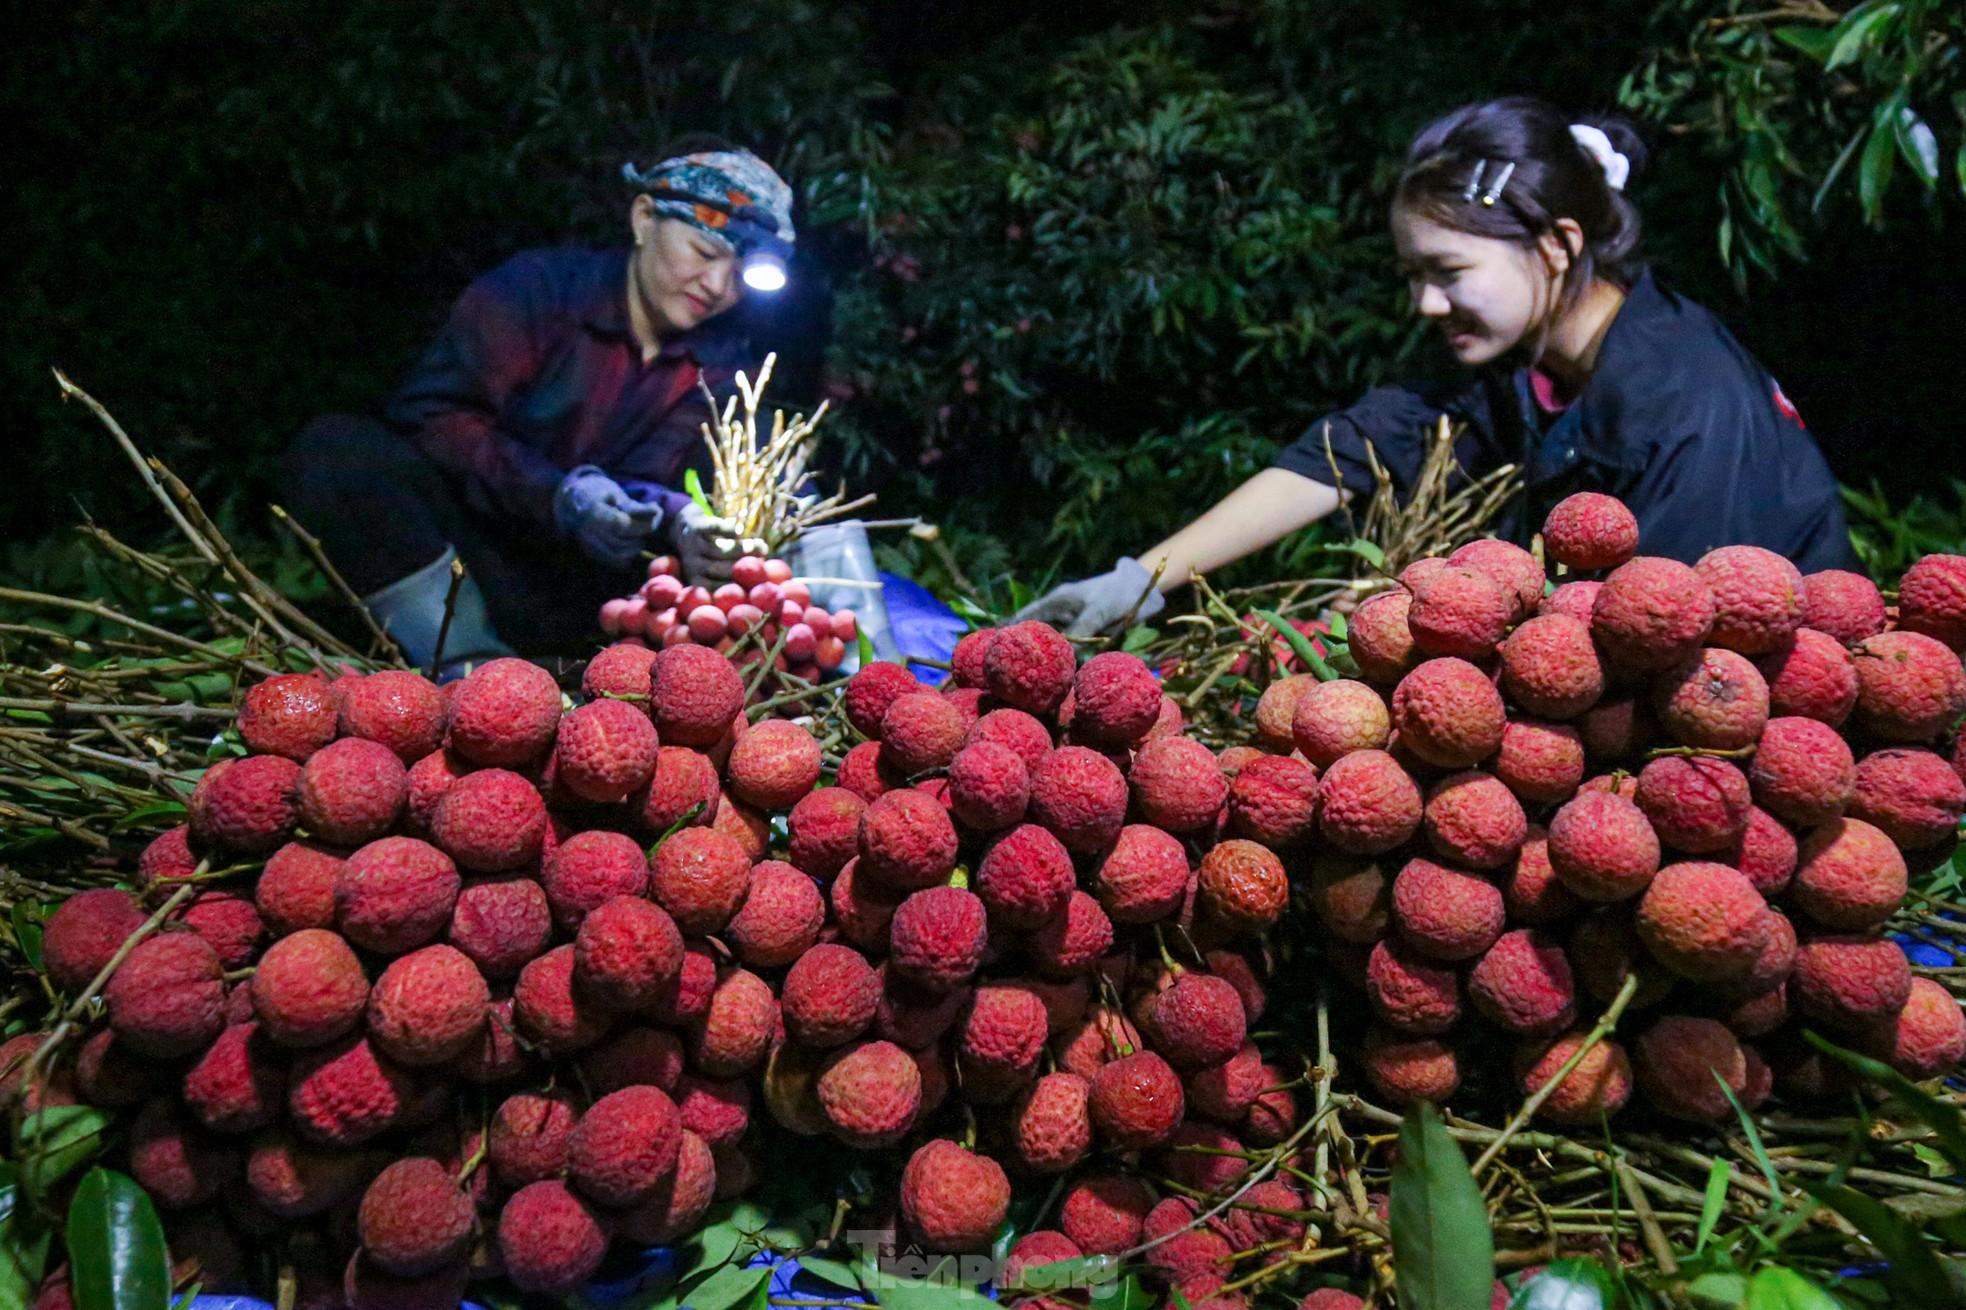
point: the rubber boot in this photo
(411, 610)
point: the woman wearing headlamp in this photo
(1516, 236)
(544, 436)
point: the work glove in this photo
(609, 525)
(706, 544)
(1091, 605)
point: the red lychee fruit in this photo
(292, 1179)
(174, 1160)
(1915, 796)
(1368, 804)
(907, 841)
(700, 876)
(872, 690)
(1523, 984)
(1588, 531)
(1845, 605)
(774, 764)
(228, 922)
(1766, 853)
(395, 894)
(1448, 714)
(500, 924)
(687, 1000)
(1177, 784)
(1512, 568)
(1015, 729)
(168, 858)
(489, 821)
(1380, 642)
(1410, 992)
(1928, 1038)
(1029, 666)
(605, 750)
(1103, 1214)
(1474, 820)
(1338, 717)
(830, 996)
(428, 1006)
(1600, 1085)
(1802, 770)
(1910, 687)
(1531, 890)
(249, 805)
(684, 789)
(527, 1140)
(1444, 913)
(1932, 599)
(290, 714)
(966, 663)
(626, 955)
(1461, 612)
(782, 916)
(1852, 983)
(238, 1083)
(989, 786)
(167, 998)
(352, 791)
(1073, 943)
(1052, 1124)
(1550, 668)
(549, 1010)
(1223, 1092)
(1682, 1062)
(718, 1110)
(1025, 877)
(1137, 1101)
(1703, 921)
(677, 1206)
(345, 1093)
(1602, 847)
(921, 731)
(504, 713)
(625, 1145)
(870, 1094)
(404, 711)
(1573, 599)
(623, 669)
(1407, 1070)
(1813, 676)
(1758, 598)
(1273, 800)
(1696, 804)
(1850, 876)
(414, 1218)
(999, 1041)
(83, 935)
(1651, 614)
(1541, 763)
(736, 1029)
(1081, 796)
(309, 989)
(1116, 700)
(825, 830)
(550, 1241)
(694, 694)
(1198, 1021)
(1242, 885)
(296, 888)
(591, 868)
(1716, 701)
(1144, 877)
(952, 1198)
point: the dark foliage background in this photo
(1069, 272)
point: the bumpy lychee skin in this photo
(1813, 676)
(716, 1109)
(168, 858)
(1703, 921)
(1696, 804)
(395, 894)
(293, 1179)
(1915, 796)
(773, 764)
(1850, 876)
(1444, 913)
(870, 1094)
(490, 821)
(1137, 1101)
(590, 868)
(1103, 1214)
(1030, 666)
(1075, 942)
(989, 786)
(1802, 770)
(1522, 984)
(548, 1009)
(1851, 983)
(1242, 885)
(677, 1206)
(296, 888)
(1368, 804)
(1512, 568)
(1758, 597)
(1932, 599)
(1766, 853)
(700, 877)
(626, 955)
(1602, 847)
(1144, 877)
(1589, 531)
(782, 916)
(290, 714)
(250, 806)
(1550, 668)
(736, 1029)
(1910, 687)
(345, 1093)
(1928, 1038)
(907, 841)
(500, 923)
(1448, 713)
(1380, 642)
(1716, 700)
(309, 989)
(1407, 1070)
(870, 691)
(352, 791)
(1116, 700)
(1410, 992)
(1338, 717)
(1015, 729)
(1459, 611)
(684, 788)
(1052, 1123)
(83, 934)
(1541, 763)
(167, 998)
(953, 1199)
(504, 713)
(1081, 796)
(623, 669)
(830, 996)
(414, 1218)
(998, 1042)
(966, 663)
(1530, 888)
(228, 921)
(179, 1164)
(1678, 1059)
(527, 1140)
(920, 731)
(1604, 950)
(1771, 966)
(1177, 784)
(625, 1145)
(550, 1241)
(1600, 1085)
(1474, 820)
(1573, 600)
(1845, 605)
(605, 750)
(402, 710)
(1651, 614)
(428, 1006)
(1273, 800)
(238, 1083)
(1025, 877)
(694, 693)
(688, 999)
(1198, 1021)
(825, 830)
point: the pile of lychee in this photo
(504, 984)
(1714, 779)
(762, 600)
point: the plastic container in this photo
(837, 562)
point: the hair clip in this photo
(1474, 183)
(1501, 180)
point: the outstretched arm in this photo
(1271, 505)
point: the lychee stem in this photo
(1167, 960)
(1699, 752)
(1605, 1024)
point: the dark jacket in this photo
(1677, 420)
(537, 373)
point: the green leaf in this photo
(1776, 1288)
(694, 486)
(727, 1287)
(55, 1142)
(23, 1250)
(1567, 1285)
(1755, 1145)
(1718, 1291)
(1874, 169)
(1942, 1117)
(1914, 1271)
(1718, 1176)
(117, 1259)
(1139, 639)
(836, 1272)
(1122, 1294)
(1918, 145)
(1443, 1252)
(1855, 29)
(865, 645)
(1815, 42)
(26, 919)
(1078, 1271)
(1298, 643)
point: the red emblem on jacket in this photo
(1787, 407)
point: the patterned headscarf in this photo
(736, 177)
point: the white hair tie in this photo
(1616, 167)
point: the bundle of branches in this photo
(760, 483)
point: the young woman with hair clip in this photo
(1519, 241)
